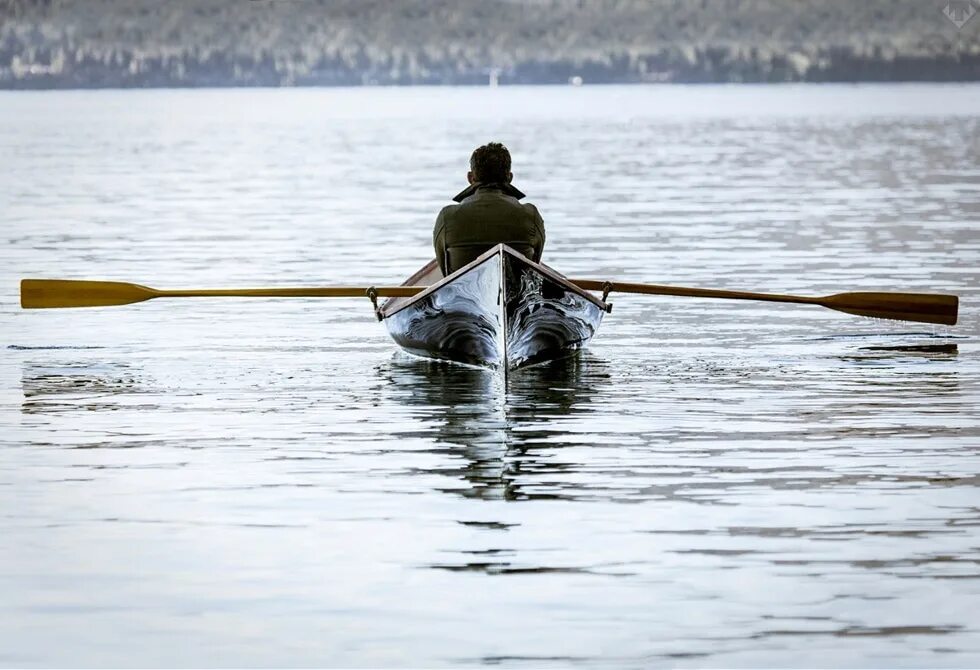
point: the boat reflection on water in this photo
(493, 425)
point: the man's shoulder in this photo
(530, 207)
(444, 214)
(446, 211)
(467, 205)
(535, 214)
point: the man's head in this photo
(490, 164)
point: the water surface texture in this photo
(214, 482)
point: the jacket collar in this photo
(507, 189)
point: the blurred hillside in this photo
(123, 43)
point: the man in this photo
(488, 213)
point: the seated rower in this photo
(488, 214)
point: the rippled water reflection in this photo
(712, 484)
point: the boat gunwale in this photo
(479, 260)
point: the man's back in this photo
(488, 214)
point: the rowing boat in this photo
(501, 311)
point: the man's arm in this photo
(539, 226)
(439, 239)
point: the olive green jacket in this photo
(487, 214)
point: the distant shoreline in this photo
(967, 75)
(106, 44)
(36, 85)
(353, 87)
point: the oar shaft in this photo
(683, 291)
(52, 293)
(921, 307)
(324, 292)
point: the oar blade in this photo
(921, 307)
(52, 293)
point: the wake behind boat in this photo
(502, 310)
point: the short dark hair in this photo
(490, 163)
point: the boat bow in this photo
(500, 311)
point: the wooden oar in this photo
(46, 293)
(49, 293)
(923, 307)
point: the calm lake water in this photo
(239, 483)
